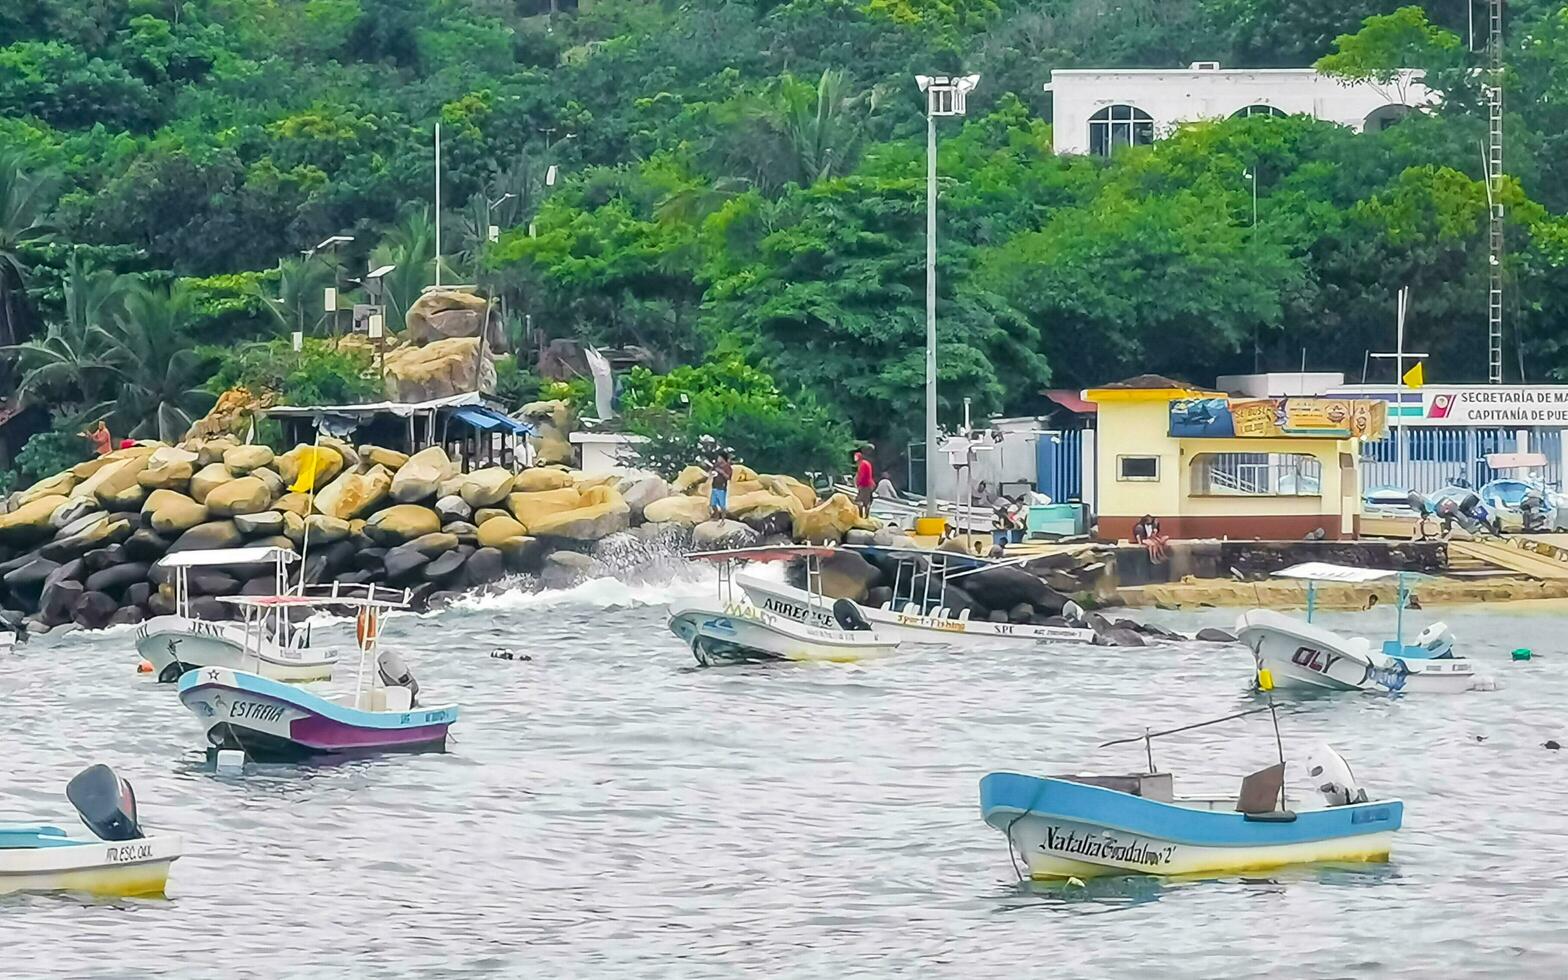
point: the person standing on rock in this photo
(865, 483)
(719, 496)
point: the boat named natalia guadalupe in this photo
(271, 645)
(1289, 652)
(275, 722)
(120, 861)
(729, 629)
(1084, 826)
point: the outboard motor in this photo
(1532, 511)
(105, 803)
(849, 617)
(1436, 640)
(1419, 503)
(1072, 612)
(395, 673)
(1331, 774)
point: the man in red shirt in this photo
(864, 484)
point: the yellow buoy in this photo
(1265, 679)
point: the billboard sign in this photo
(1482, 405)
(1278, 418)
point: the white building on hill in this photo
(1095, 110)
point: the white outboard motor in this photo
(1331, 774)
(395, 673)
(1437, 640)
(1072, 612)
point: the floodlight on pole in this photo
(550, 175)
(331, 297)
(946, 95)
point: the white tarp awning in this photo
(228, 556)
(1322, 571)
(403, 409)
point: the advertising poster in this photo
(1278, 418)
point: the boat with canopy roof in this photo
(1294, 653)
(730, 629)
(273, 646)
(275, 722)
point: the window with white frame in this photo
(1137, 468)
(1119, 125)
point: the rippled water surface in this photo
(608, 809)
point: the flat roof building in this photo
(1096, 110)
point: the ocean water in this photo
(609, 809)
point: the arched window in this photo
(1119, 125)
(1258, 109)
(1382, 118)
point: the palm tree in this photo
(161, 374)
(69, 365)
(25, 199)
(298, 303)
(411, 246)
(822, 126)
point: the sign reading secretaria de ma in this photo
(1480, 405)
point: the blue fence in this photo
(1437, 457)
(1059, 464)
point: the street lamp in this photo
(945, 96)
(1251, 174)
(332, 304)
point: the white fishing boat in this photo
(275, 648)
(731, 629)
(119, 860)
(918, 611)
(1293, 653)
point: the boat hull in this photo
(1062, 829)
(1303, 656)
(272, 722)
(797, 604)
(120, 869)
(176, 644)
(738, 632)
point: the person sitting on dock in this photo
(1147, 533)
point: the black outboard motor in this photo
(1419, 503)
(395, 673)
(849, 617)
(105, 803)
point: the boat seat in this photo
(398, 698)
(1260, 791)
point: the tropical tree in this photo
(411, 247)
(26, 195)
(298, 303)
(69, 366)
(161, 374)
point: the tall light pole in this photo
(1251, 174)
(438, 202)
(335, 294)
(945, 96)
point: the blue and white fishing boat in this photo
(1293, 653)
(119, 860)
(270, 721)
(1084, 826)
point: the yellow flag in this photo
(307, 474)
(1415, 377)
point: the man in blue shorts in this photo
(719, 497)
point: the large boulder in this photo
(101, 532)
(418, 479)
(235, 411)
(212, 534)
(59, 485)
(552, 422)
(29, 523)
(686, 511)
(354, 494)
(58, 603)
(243, 459)
(117, 578)
(403, 564)
(401, 522)
(764, 500)
(542, 478)
(445, 567)
(531, 508)
(263, 524)
(789, 486)
(101, 558)
(486, 487)
(602, 512)
(770, 523)
(174, 474)
(275, 485)
(1006, 586)
(497, 531)
(379, 456)
(484, 566)
(211, 451)
(522, 553)
(73, 510)
(323, 529)
(639, 492)
(171, 512)
(28, 580)
(207, 479)
(433, 545)
(487, 513)
(453, 508)
(441, 313)
(146, 544)
(722, 534)
(691, 479)
(846, 575)
(304, 467)
(827, 522)
(246, 495)
(115, 473)
(118, 487)
(440, 369)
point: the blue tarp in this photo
(488, 420)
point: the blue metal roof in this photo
(488, 420)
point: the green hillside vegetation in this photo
(742, 192)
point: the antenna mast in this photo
(1494, 187)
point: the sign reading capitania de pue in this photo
(1278, 418)
(1498, 405)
